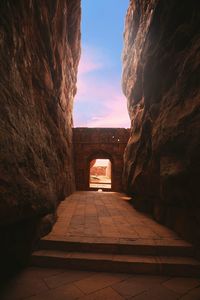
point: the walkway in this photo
(101, 231)
(90, 218)
(107, 216)
(59, 284)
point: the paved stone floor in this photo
(59, 284)
(106, 216)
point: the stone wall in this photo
(98, 170)
(93, 143)
(161, 80)
(39, 54)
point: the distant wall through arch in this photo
(94, 143)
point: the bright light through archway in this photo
(100, 173)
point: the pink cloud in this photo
(88, 65)
(108, 93)
(93, 88)
(91, 60)
(115, 115)
(114, 103)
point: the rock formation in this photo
(39, 54)
(161, 80)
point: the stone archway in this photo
(93, 143)
(100, 155)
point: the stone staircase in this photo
(103, 232)
(161, 257)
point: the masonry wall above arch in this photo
(94, 143)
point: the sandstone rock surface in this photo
(39, 55)
(161, 80)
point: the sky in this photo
(99, 101)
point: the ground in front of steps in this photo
(59, 284)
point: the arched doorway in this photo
(100, 174)
(100, 171)
(97, 143)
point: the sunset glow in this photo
(99, 101)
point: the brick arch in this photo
(101, 154)
(91, 143)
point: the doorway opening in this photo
(100, 174)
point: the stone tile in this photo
(137, 285)
(105, 294)
(106, 215)
(37, 272)
(178, 260)
(194, 294)
(77, 238)
(135, 258)
(138, 241)
(99, 281)
(181, 285)
(66, 277)
(145, 232)
(22, 287)
(157, 293)
(106, 240)
(137, 265)
(66, 292)
(95, 256)
(55, 253)
(173, 242)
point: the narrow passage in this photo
(107, 216)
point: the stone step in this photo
(139, 264)
(123, 246)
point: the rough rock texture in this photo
(161, 79)
(39, 54)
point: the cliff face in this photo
(39, 54)
(161, 80)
